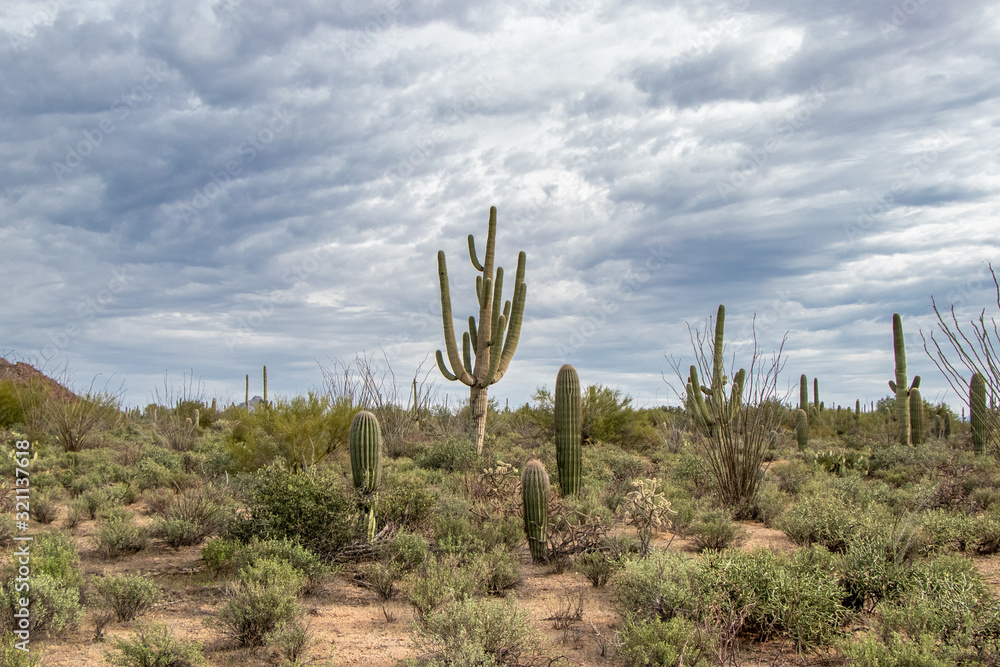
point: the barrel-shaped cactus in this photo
(535, 497)
(916, 417)
(569, 422)
(366, 451)
(802, 429)
(977, 412)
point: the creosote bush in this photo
(127, 595)
(154, 646)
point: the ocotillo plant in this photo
(803, 392)
(899, 386)
(366, 457)
(977, 412)
(802, 429)
(485, 339)
(916, 417)
(535, 498)
(569, 423)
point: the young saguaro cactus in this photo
(816, 402)
(802, 429)
(977, 412)
(486, 339)
(535, 498)
(899, 386)
(916, 417)
(569, 424)
(803, 392)
(718, 408)
(366, 457)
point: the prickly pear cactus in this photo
(569, 422)
(535, 497)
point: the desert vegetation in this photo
(738, 528)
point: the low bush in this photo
(193, 515)
(662, 586)
(673, 643)
(478, 632)
(154, 646)
(716, 530)
(55, 605)
(127, 595)
(118, 535)
(262, 599)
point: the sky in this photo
(190, 190)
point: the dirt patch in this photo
(22, 373)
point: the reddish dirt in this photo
(23, 373)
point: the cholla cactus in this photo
(647, 510)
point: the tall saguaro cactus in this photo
(803, 392)
(977, 412)
(366, 457)
(493, 339)
(569, 422)
(899, 386)
(719, 408)
(535, 497)
(816, 393)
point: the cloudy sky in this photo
(192, 189)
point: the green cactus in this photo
(857, 409)
(819, 406)
(719, 408)
(569, 422)
(899, 385)
(265, 387)
(803, 392)
(366, 455)
(196, 419)
(535, 497)
(246, 403)
(916, 417)
(493, 351)
(977, 412)
(947, 425)
(802, 429)
(938, 427)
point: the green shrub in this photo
(498, 569)
(309, 507)
(44, 509)
(455, 454)
(118, 535)
(662, 585)
(895, 651)
(381, 578)
(314, 571)
(193, 515)
(261, 600)
(716, 530)
(154, 646)
(437, 581)
(677, 642)
(823, 519)
(8, 529)
(11, 656)
(55, 605)
(478, 631)
(54, 553)
(218, 553)
(127, 595)
(407, 550)
(597, 566)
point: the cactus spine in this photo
(486, 340)
(802, 428)
(569, 422)
(977, 412)
(366, 455)
(535, 497)
(899, 386)
(718, 409)
(916, 417)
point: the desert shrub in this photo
(313, 570)
(291, 641)
(11, 656)
(118, 535)
(154, 646)
(597, 566)
(662, 585)
(8, 529)
(404, 501)
(716, 530)
(55, 605)
(381, 578)
(54, 553)
(797, 597)
(307, 507)
(193, 515)
(407, 550)
(478, 631)
(127, 595)
(437, 581)
(75, 422)
(262, 599)
(94, 501)
(450, 455)
(644, 642)
(791, 476)
(691, 474)
(871, 651)
(44, 509)
(497, 569)
(820, 519)
(23, 403)
(874, 566)
(770, 504)
(218, 554)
